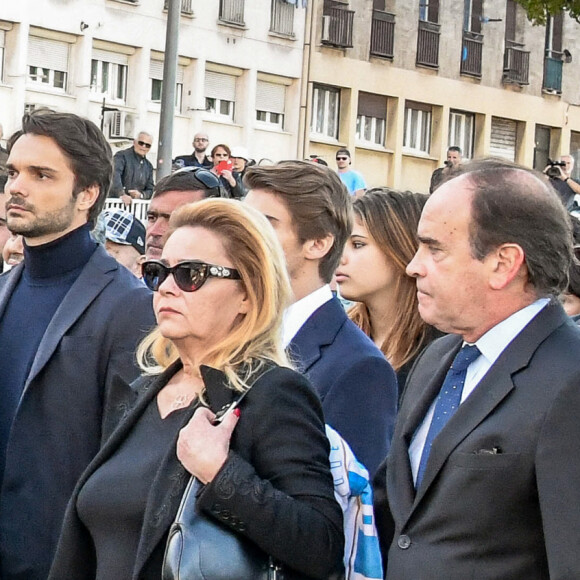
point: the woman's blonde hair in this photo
(391, 219)
(255, 252)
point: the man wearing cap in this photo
(198, 158)
(240, 159)
(184, 186)
(133, 178)
(125, 239)
(353, 180)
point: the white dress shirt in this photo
(298, 313)
(491, 345)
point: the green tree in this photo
(538, 10)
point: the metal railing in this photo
(186, 6)
(232, 11)
(383, 34)
(516, 64)
(428, 44)
(553, 72)
(471, 54)
(337, 26)
(138, 207)
(282, 18)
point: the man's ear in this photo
(317, 249)
(507, 263)
(88, 197)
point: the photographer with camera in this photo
(559, 174)
(453, 160)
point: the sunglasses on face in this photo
(143, 144)
(342, 158)
(189, 275)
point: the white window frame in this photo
(462, 132)
(117, 73)
(42, 68)
(374, 127)
(156, 78)
(417, 136)
(220, 95)
(325, 100)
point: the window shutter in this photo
(113, 57)
(433, 11)
(510, 20)
(476, 13)
(371, 105)
(156, 69)
(220, 86)
(557, 33)
(2, 38)
(48, 53)
(270, 97)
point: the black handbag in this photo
(201, 548)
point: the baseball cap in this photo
(122, 227)
(240, 152)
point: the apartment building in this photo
(238, 77)
(398, 82)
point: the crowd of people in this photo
(210, 345)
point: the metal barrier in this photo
(138, 207)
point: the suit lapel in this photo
(95, 276)
(318, 331)
(9, 282)
(490, 392)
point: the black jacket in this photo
(276, 482)
(132, 172)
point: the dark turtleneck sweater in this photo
(49, 272)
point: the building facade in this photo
(398, 82)
(238, 75)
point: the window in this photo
(461, 132)
(282, 17)
(220, 94)
(2, 43)
(417, 135)
(48, 62)
(232, 11)
(472, 15)
(156, 76)
(109, 75)
(371, 119)
(270, 103)
(429, 10)
(325, 106)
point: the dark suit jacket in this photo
(512, 513)
(356, 384)
(57, 428)
(275, 486)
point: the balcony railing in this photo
(471, 54)
(282, 18)
(428, 44)
(516, 64)
(553, 72)
(186, 7)
(337, 27)
(232, 11)
(383, 34)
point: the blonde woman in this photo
(372, 273)
(219, 292)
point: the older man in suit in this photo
(482, 478)
(311, 212)
(70, 319)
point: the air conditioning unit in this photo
(121, 125)
(325, 28)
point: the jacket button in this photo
(404, 542)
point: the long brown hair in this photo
(391, 219)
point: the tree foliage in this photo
(538, 10)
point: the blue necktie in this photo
(448, 401)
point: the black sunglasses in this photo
(206, 178)
(342, 158)
(189, 275)
(143, 144)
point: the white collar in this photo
(296, 315)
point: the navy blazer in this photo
(500, 495)
(356, 384)
(57, 428)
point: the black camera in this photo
(553, 170)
